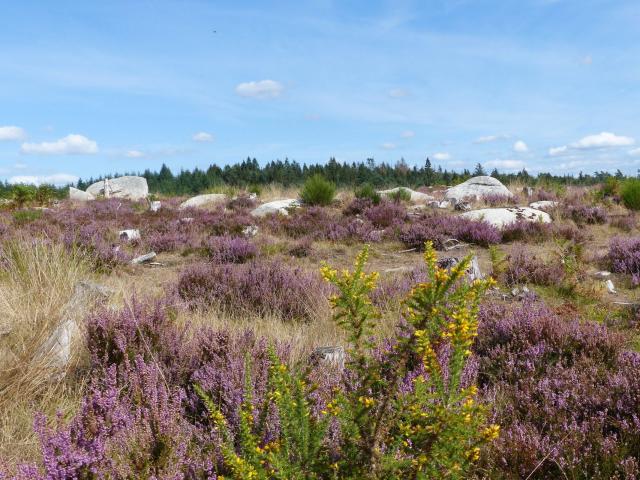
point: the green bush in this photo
(630, 193)
(318, 191)
(400, 195)
(366, 190)
(611, 187)
(23, 194)
(255, 188)
(26, 216)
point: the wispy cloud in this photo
(134, 154)
(520, 147)
(491, 138)
(506, 164)
(262, 89)
(388, 146)
(12, 133)
(442, 156)
(408, 134)
(399, 93)
(55, 179)
(202, 137)
(594, 142)
(70, 145)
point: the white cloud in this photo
(398, 93)
(70, 145)
(593, 142)
(408, 134)
(388, 146)
(12, 133)
(506, 164)
(553, 151)
(20, 166)
(602, 140)
(520, 147)
(55, 179)
(260, 89)
(441, 156)
(587, 60)
(491, 138)
(202, 137)
(135, 154)
(635, 152)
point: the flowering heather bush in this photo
(566, 394)
(254, 288)
(582, 214)
(626, 223)
(242, 202)
(227, 249)
(302, 248)
(386, 214)
(439, 228)
(357, 206)
(524, 268)
(624, 257)
(497, 200)
(523, 230)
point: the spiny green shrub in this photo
(26, 216)
(630, 193)
(366, 190)
(407, 412)
(318, 191)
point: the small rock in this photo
(186, 220)
(448, 262)
(528, 191)
(602, 274)
(610, 287)
(330, 355)
(203, 200)
(143, 258)
(155, 206)
(253, 196)
(278, 206)
(444, 204)
(462, 206)
(474, 272)
(250, 231)
(129, 235)
(544, 205)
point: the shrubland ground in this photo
(557, 365)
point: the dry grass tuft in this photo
(37, 280)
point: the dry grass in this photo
(38, 280)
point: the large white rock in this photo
(500, 217)
(416, 197)
(476, 188)
(131, 187)
(277, 206)
(544, 205)
(79, 196)
(202, 200)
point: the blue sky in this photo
(90, 88)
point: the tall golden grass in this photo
(37, 280)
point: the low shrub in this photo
(400, 195)
(524, 268)
(20, 217)
(585, 214)
(357, 206)
(525, 231)
(498, 200)
(255, 289)
(565, 393)
(630, 193)
(439, 228)
(386, 214)
(318, 191)
(626, 223)
(624, 257)
(227, 249)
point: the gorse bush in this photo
(407, 414)
(318, 191)
(630, 193)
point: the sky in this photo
(94, 88)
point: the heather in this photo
(250, 344)
(565, 393)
